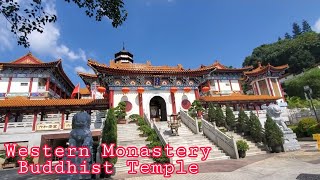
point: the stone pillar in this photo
(34, 123)
(62, 120)
(30, 87)
(6, 122)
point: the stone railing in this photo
(145, 117)
(191, 123)
(17, 124)
(163, 140)
(220, 139)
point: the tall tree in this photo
(306, 27)
(296, 30)
(109, 133)
(230, 119)
(30, 15)
(211, 113)
(220, 118)
(255, 128)
(242, 118)
(287, 36)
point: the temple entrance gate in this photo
(158, 111)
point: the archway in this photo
(158, 109)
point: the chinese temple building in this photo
(30, 77)
(158, 91)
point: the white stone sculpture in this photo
(290, 138)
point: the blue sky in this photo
(166, 32)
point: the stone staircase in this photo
(128, 135)
(254, 148)
(187, 139)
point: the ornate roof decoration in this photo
(147, 68)
(27, 59)
(264, 69)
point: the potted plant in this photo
(120, 113)
(242, 148)
(273, 135)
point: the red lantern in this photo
(125, 90)
(187, 89)
(205, 89)
(140, 90)
(173, 89)
(101, 89)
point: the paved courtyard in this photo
(303, 165)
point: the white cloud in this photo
(47, 43)
(316, 26)
(84, 70)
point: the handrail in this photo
(191, 123)
(228, 144)
(147, 120)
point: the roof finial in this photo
(123, 46)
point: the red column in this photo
(230, 85)
(30, 86)
(62, 120)
(269, 83)
(47, 84)
(173, 100)
(258, 88)
(9, 85)
(55, 89)
(111, 93)
(282, 92)
(65, 95)
(34, 123)
(6, 122)
(140, 105)
(196, 92)
(219, 87)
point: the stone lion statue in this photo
(80, 134)
(274, 112)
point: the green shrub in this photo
(211, 113)
(230, 119)
(220, 118)
(273, 134)
(109, 133)
(242, 119)
(242, 145)
(120, 110)
(314, 129)
(255, 128)
(29, 159)
(134, 117)
(304, 125)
